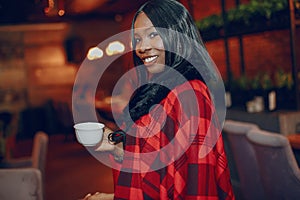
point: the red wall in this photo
(262, 52)
(202, 8)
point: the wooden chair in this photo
(278, 168)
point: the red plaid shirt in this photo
(188, 162)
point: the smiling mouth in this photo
(150, 60)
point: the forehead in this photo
(142, 22)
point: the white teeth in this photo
(150, 59)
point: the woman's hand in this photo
(106, 146)
(99, 196)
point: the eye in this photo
(153, 34)
(137, 40)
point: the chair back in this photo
(39, 151)
(21, 183)
(244, 160)
(278, 167)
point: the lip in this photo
(149, 60)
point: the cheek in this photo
(158, 43)
(163, 58)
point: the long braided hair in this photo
(172, 22)
(182, 42)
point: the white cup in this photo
(89, 133)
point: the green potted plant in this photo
(269, 94)
(284, 89)
(210, 26)
(240, 91)
(255, 16)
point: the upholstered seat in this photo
(242, 160)
(21, 184)
(278, 168)
(37, 159)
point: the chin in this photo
(155, 69)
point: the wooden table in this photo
(294, 139)
(284, 122)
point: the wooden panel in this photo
(38, 96)
(15, 78)
(44, 37)
(52, 76)
(47, 55)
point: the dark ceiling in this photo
(31, 11)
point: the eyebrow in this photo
(145, 30)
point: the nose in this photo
(143, 46)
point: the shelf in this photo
(281, 121)
(286, 19)
(279, 21)
(215, 34)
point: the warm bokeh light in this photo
(51, 4)
(47, 10)
(94, 53)
(115, 48)
(55, 7)
(61, 12)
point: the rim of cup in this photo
(83, 126)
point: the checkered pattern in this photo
(181, 134)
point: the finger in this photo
(87, 196)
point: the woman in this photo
(172, 144)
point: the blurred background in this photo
(254, 43)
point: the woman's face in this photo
(149, 45)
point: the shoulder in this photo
(194, 87)
(190, 98)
